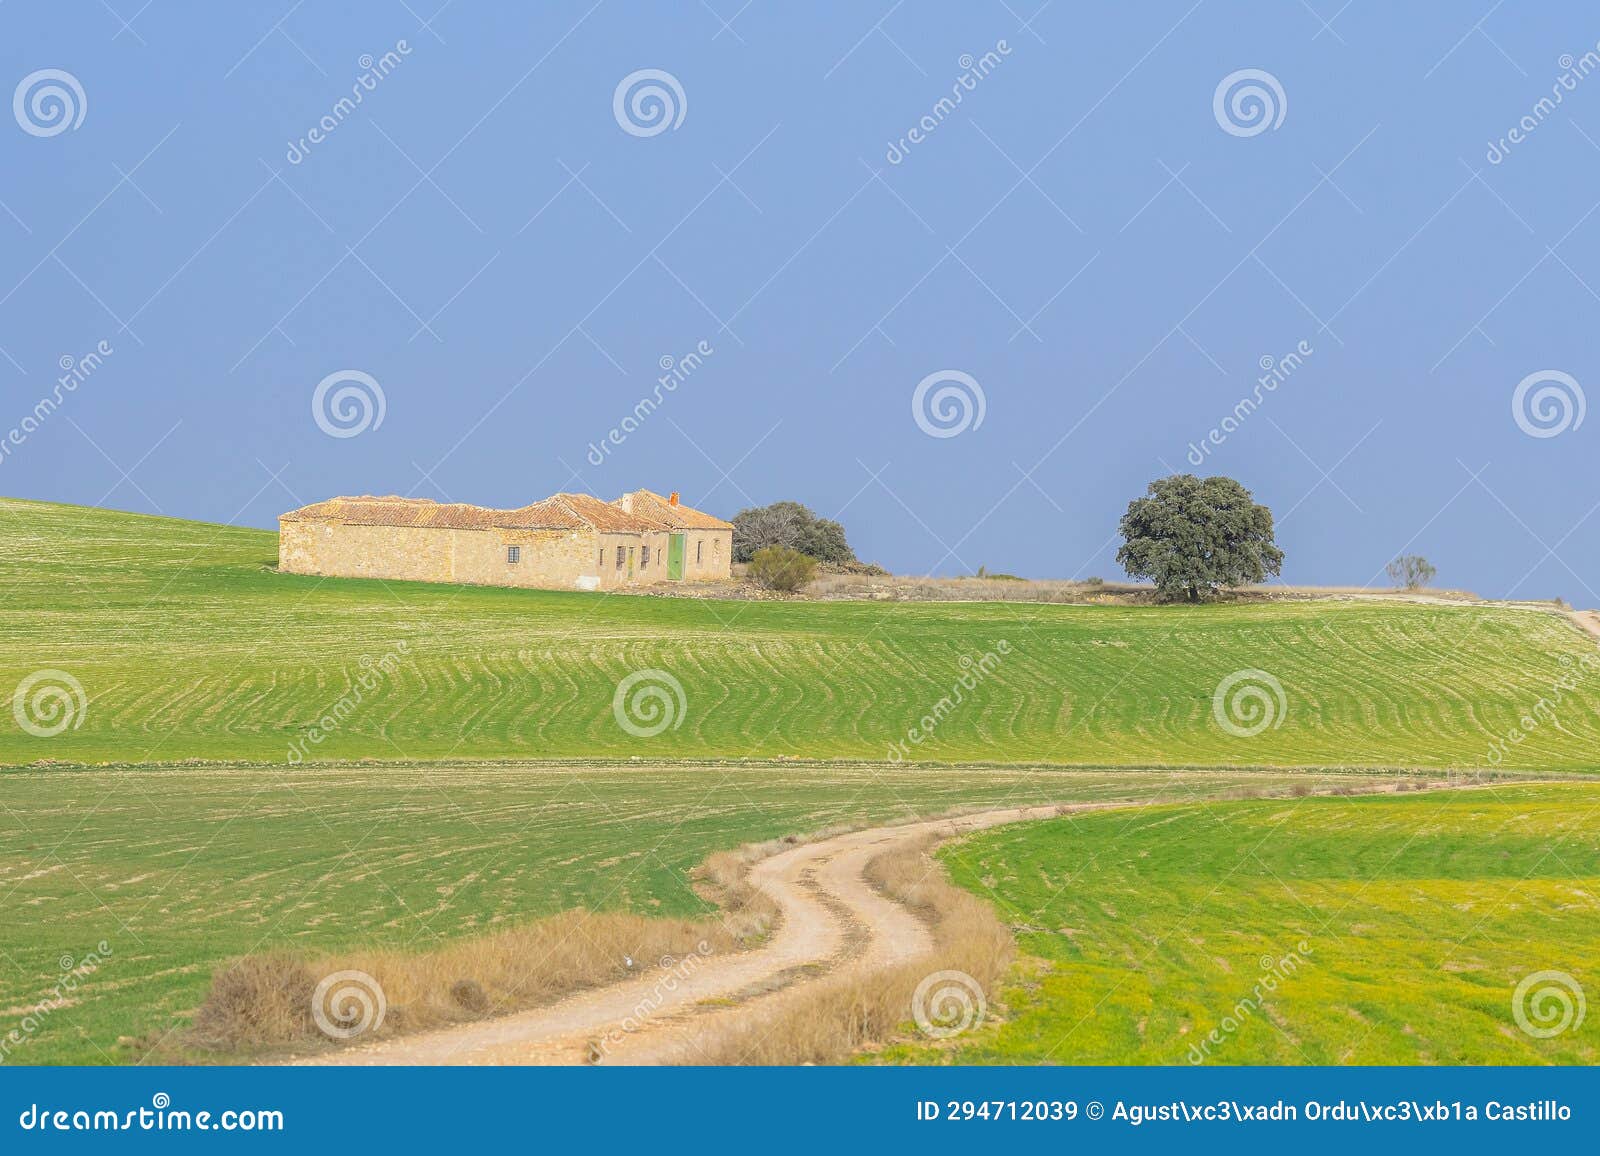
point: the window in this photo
(513, 555)
(602, 557)
(699, 547)
(644, 557)
(716, 547)
(622, 556)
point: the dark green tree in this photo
(1192, 536)
(792, 526)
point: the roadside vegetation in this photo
(437, 876)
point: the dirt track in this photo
(831, 919)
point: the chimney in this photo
(673, 500)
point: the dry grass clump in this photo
(265, 1001)
(826, 1021)
(257, 999)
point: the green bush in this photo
(780, 568)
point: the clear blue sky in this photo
(1080, 234)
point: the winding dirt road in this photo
(830, 920)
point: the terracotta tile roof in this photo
(649, 504)
(607, 517)
(558, 512)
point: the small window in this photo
(513, 555)
(602, 557)
(644, 557)
(622, 556)
(716, 547)
(699, 550)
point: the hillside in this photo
(188, 645)
(1380, 930)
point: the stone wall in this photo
(550, 559)
(714, 551)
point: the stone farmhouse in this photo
(564, 542)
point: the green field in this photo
(189, 645)
(177, 870)
(1394, 930)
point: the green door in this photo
(675, 558)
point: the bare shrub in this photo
(260, 999)
(1410, 571)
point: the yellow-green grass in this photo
(189, 645)
(180, 869)
(1315, 931)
